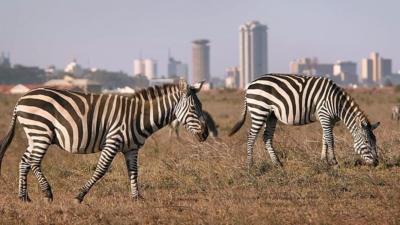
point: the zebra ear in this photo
(375, 125)
(197, 86)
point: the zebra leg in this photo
(24, 168)
(268, 139)
(131, 159)
(106, 157)
(176, 129)
(35, 160)
(324, 150)
(329, 143)
(256, 124)
(38, 143)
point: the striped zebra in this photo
(299, 100)
(87, 123)
(210, 123)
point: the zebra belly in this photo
(303, 120)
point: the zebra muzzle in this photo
(202, 136)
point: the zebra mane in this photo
(362, 115)
(156, 91)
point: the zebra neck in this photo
(349, 111)
(159, 110)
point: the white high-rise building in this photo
(366, 71)
(253, 52)
(146, 67)
(150, 68)
(138, 67)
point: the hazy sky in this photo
(110, 34)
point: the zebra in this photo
(84, 123)
(210, 123)
(396, 112)
(299, 100)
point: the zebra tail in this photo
(240, 123)
(5, 142)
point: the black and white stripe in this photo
(210, 123)
(299, 100)
(86, 123)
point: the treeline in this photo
(112, 80)
(108, 80)
(21, 75)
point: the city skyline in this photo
(110, 36)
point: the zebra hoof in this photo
(138, 198)
(78, 200)
(278, 164)
(49, 196)
(25, 198)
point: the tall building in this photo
(345, 72)
(366, 71)
(386, 67)
(177, 69)
(138, 67)
(201, 60)
(253, 52)
(375, 68)
(232, 79)
(344, 67)
(146, 67)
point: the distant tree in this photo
(20, 74)
(140, 81)
(112, 80)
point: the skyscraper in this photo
(366, 71)
(345, 72)
(146, 67)
(252, 52)
(201, 60)
(375, 68)
(386, 67)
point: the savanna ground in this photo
(185, 182)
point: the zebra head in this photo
(365, 141)
(189, 111)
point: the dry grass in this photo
(190, 183)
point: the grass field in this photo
(185, 182)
